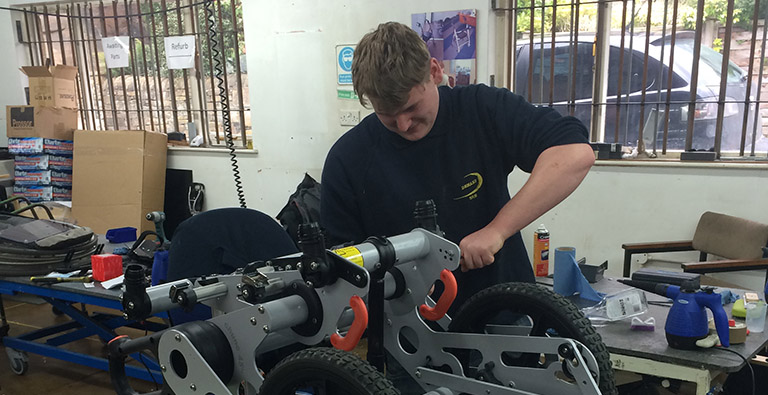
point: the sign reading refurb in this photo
(344, 55)
(180, 52)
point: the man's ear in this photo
(435, 71)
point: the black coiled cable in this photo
(224, 102)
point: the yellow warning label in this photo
(351, 254)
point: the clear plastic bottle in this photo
(624, 304)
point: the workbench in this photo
(647, 352)
(65, 298)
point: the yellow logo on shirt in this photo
(474, 184)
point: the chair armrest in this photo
(728, 265)
(659, 246)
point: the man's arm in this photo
(557, 173)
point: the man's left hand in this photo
(478, 249)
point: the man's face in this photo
(415, 119)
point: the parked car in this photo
(632, 88)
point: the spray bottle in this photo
(687, 319)
(541, 251)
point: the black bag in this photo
(303, 207)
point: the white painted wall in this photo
(12, 91)
(619, 204)
(291, 63)
(292, 76)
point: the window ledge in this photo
(718, 164)
(223, 150)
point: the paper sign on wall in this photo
(116, 51)
(180, 52)
(344, 55)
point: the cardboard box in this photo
(43, 177)
(47, 122)
(39, 145)
(35, 193)
(118, 177)
(43, 162)
(43, 193)
(52, 86)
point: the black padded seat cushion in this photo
(222, 240)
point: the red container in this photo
(106, 266)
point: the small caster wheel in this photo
(18, 360)
(19, 366)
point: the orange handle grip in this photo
(348, 342)
(446, 299)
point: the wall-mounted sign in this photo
(180, 52)
(117, 51)
(346, 93)
(344, 55)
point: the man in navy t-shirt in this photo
(454, 146)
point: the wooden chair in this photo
(739, 241)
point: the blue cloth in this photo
(728, 297)
(160, 267)
(568, 277)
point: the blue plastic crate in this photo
(121, 235)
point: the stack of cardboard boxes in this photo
(41, 134)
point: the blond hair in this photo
(387, 64)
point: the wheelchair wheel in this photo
(548, 315)
(325, 371)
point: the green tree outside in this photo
(637, 12)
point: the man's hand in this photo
(478, 249)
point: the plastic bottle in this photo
(627, 303)
(541, 251)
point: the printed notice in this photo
(180, 52)
(344, 54)
(117, 51)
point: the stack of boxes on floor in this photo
(40, 135)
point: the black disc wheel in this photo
(325, 371)
(540, 312)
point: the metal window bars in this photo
(616, 64)
(144, 95)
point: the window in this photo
(146, 94)
(665, 84)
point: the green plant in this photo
(587, 15)
(563, 23)
(717, 44)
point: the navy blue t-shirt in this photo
(373, 178)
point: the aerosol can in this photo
(541, 251)
(687, 320)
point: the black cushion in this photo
(222, 240)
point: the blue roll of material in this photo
(160, 267)
(568, 279)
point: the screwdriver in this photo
(52, 280)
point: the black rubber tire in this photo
(555, 316)
(334, 372)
